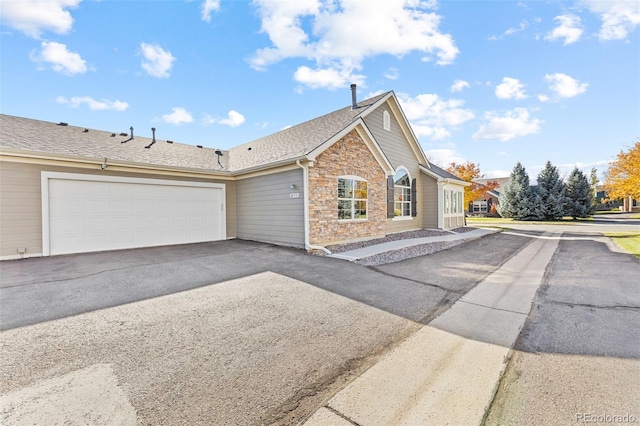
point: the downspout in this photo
(305, 183)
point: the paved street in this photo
(578, 356)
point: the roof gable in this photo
(297, 141)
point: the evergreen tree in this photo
(515, 198)
(593, 182)
(550, 198)
(579, 198)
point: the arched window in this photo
(352, 198)
(402, 193)
(386, 120)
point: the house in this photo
(490, 197)
(355, 173)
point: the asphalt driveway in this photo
(233, 332)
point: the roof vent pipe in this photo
(130, 138)
(153, 131)
(354, 102)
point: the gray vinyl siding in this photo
(430, 201)
(398, 150)
(267, 213)
(21, 202)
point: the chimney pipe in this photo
(131, 132)
(354, 102)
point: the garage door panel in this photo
(86, 215)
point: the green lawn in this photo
(564, 221)
(630, 241)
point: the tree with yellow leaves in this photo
(623, 176)
(468, 172)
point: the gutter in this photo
(305, 180)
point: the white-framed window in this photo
(402, 193)
(386, 120)
(480, 206)
(352, 198)
(460, 202)
(446, 201)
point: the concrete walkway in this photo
(448, 371)
(361, 253)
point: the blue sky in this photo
(492, 82)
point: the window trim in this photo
(386, 120)
(402, 216)
(353, 199)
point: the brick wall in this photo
(348, 156)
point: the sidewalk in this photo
(361, 253)
(448, 371)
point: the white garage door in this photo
(95, 213)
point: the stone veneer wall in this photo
(348, 156)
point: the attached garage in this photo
(85, 213)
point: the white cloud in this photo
(543, 98)
(102, 105)
(209, 6)
(392, 74)
(433, 116)
(565, 86)
(513, 123)
(234, 119)
(178, 115)
(570, 29)
(444, 156)
(523, 25)
(459, 85)
(60, 58)
(330, 78)
(34, 17)
(157, 62)
(331, 34)
(619, 17)
(510, 88)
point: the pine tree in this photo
(593, 183)
(550, 197)
(515, 198)
(579, 199)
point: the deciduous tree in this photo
(468, 172)
(623, 176)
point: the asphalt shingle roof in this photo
(443, 173)
(42, 136)
(297, 140)
(287, 144)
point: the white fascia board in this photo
(18, 153)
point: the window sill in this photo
(352, 220)
(403, 218)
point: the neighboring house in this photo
(491, 197)
(626, 204)
(356, 173)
